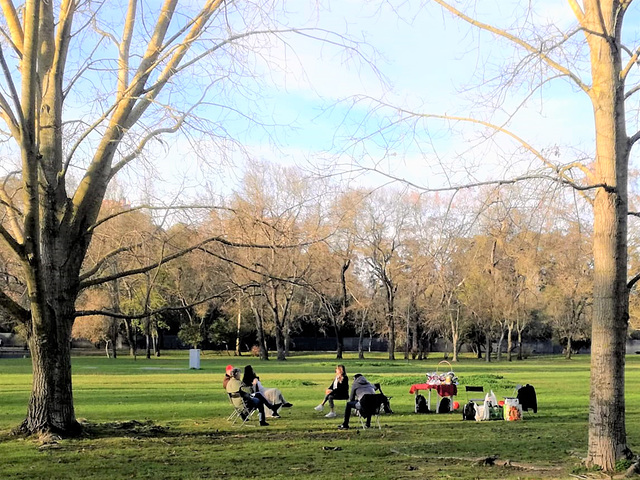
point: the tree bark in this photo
(607, 434)
(129, 329)
(390, 290)
(487, 354)
(520, 352)
(509, 341)
(51, 402)
(569, 347)
(264, 352)
(238, 325)
(361, 336)
(499, 346)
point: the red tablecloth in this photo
(443, 389)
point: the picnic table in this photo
(443, 383)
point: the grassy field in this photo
(158, 419)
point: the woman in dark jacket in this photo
(338, 390)
(272, 395)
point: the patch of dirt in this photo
(134, 428)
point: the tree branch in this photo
(560, 171)
(147, 313)
(124, 47)
(12, 211)
(518, 41)
(577, 10)
(634, 138)
(13, 22)
(633, 281)
(151, 135)
(14, 124)
(90, 272)
(13, 309)
(165, 259)
(632, 61)
(199, 23)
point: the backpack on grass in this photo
(421, 404)
(469, 411)
(445, 405)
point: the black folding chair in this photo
(471, 388)
(370, 407)
(386, 407)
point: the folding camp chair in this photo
(240, 409)
(370, 407)
(470, 388)
(386, 407)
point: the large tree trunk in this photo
(51, 403)
(607, 434)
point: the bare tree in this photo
(380, 236)
(593, 56)
(157, 72)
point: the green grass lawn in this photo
(158, 419)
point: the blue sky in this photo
(428, 61)
(413, 55)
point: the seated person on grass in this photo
(273, 395)
(227, 376)
(235, 386)
(359, 389)
(338, 390)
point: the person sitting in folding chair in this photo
(359, 389)
(234, 387)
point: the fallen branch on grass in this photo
(489, 461)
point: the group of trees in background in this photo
(291, 254)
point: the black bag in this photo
(421, 404)
(445, 405)
(469, 411)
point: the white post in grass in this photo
(194, 358)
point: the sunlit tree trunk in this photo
(363, 322)
(262, 346)
(569, 347)
(520, 352)
(607, 434)
(129, 329)
(509, 340)
(487, 354)
(238, 325)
